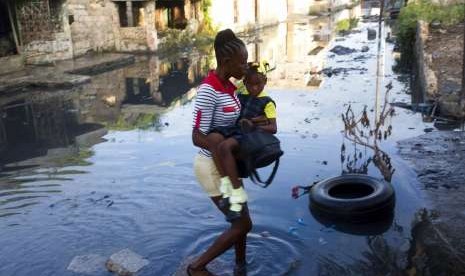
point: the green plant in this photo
(207, 26)
(429, 12)
(346, 24)
(179, 40)
(139, 121)
(77, 159)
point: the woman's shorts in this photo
(207, 175)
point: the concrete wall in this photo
(300, 6)
(269, 12)
(222, 14)
(95, 26)
(427, 80)
(133, 39)
(42, 51)
(11, 64)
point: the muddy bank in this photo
(439, 51)
(439, 235)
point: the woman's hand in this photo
(246, 124)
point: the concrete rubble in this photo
(126, 262)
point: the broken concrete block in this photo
(91, 264)
(126, 262)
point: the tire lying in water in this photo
(352, 197)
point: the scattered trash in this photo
(292, 230)
(365, 49)
(324, 162)
(341, 50)
(329, 72)
(308, 120)
(301, 221)
(371, 34)
(429, 129)
(322, 241)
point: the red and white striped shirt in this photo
(216, 105)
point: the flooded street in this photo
(109, 165)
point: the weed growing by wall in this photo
(429, 12)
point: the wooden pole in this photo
(378, 59)
(13, 27)
(463, 65)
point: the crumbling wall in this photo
(143, 37)
(427, 80)
(45, 51)
(43, 32)
(93, 25)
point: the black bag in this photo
(260, 149)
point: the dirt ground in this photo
(438, 158)
(446, 46)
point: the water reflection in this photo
(54, 129)
(375, 226)
(361, 131)
(38, 124)
(379, 259)
(134, 97)
(297, 49)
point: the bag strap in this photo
(257, 180)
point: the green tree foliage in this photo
(429, 12)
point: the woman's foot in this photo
(198, 272)
(240, 270)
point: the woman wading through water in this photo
(217, 105)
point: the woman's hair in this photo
(226, 44)
(254, 69)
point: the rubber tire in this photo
(381, 200)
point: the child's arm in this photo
(271, 127)
(268, 121)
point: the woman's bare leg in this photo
(236, 235)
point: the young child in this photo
(257, 110)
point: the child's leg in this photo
(214, 140)
(238, 198)
(227, 150)
(225, 187)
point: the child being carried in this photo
(257, 110)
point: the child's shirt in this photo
(252, 107)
